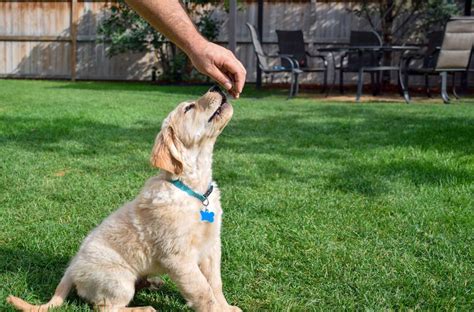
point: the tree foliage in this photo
(123, 30)
(402, 20)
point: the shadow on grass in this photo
(43, 271)
(339, 133)
(162, 299)
(197, 90)
(185, 89)
(369, 136)
(373, 179)
(89, 137)
(296, 134)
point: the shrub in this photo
(125, 31)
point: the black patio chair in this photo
(430, 58)
(355, 61)
(455, 53)
(262, 59)
(291, 42)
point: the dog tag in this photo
(207, 216)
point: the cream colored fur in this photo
(160, 231)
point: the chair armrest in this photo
(289, 57)
(293, 63)
(413, 56)
(407, 57)
(279, 55)
(343, 57)
(323, 57)
(359, 53)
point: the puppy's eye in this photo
(191, 106)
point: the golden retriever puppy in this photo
(172, 227)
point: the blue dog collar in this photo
(206, 215)
(202, 197)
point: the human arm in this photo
(169, 17)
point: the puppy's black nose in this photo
(216, 88)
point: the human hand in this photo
(221, 65)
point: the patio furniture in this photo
(430, 58)
(379, 67)
(290, 66)
(355, 60)
(291, 42)
(455, 53)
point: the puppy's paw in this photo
(152, 283)
(155, 282)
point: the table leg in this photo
(360, 84)
(444, 87)
(406, 94)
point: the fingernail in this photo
(228, 85)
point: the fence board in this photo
(34, 18)
(33, 59)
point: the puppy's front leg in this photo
(211, 268)
(194, 287)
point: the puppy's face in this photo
(194, 122)
(191, 125)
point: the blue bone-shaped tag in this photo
(207, 216)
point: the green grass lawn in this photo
(328, 206)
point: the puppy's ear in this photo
(165, 154)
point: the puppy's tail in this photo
(58, 298)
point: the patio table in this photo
(381, 68)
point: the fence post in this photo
(73, 35)
(468, 7)
(260, 37)
(232, 25)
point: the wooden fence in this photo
(57, 38)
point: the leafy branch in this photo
(123, 30)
